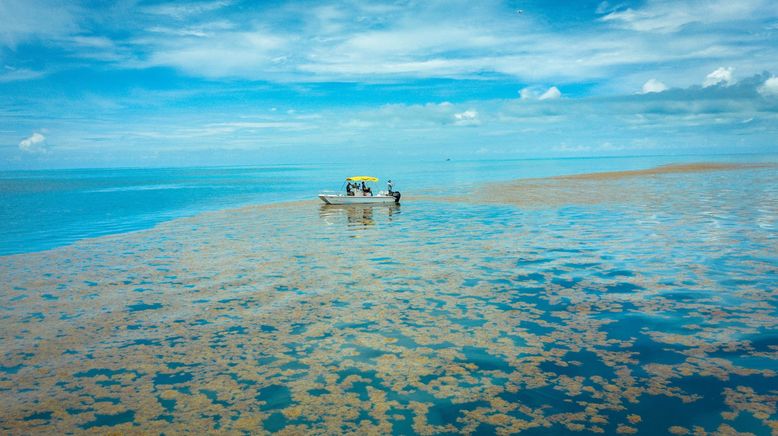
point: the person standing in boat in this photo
(389, 187)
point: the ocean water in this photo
(643, 302)
(45, 209)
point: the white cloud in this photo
(91, 42)
(26, 19)
(390, 42)
(469, 114)
(387, 41)
(10, 74)
(183, 11)
(467, 118)
(551, 94)
(35, 143)
(695, 118)
(769, 87)
(527, 93)
(663, 16)
(209, 29)
(653, 85)
(593, 148)
(565, 148)
(350, 41)
(290, 125)
(721, 76)
(534, 93)
(235, 54)
(604, 7)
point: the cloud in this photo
(11, 74)
(653, 85)
(527, 93)
(98, 42)
(184, 11)
(341, 58)
(587, 149)
(667, 16)
(387, 42)
(234, 54)
(604, 8)
(693, 119)
(23, 20)
(467, 118)
(202, 30)
(721, 76)
(534, 93)
(551, 94)
(769, 87)
(35, 143)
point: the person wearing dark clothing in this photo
(366, 190)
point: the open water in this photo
(45, 209)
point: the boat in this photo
(356, 195)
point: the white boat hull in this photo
(348, 199)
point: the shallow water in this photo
(653, 310)
(40, 210)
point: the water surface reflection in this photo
(357, 216)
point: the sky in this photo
(229, 82)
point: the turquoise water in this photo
(45, 209)
(634, 304)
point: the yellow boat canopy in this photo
(362, 179)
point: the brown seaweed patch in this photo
(664, 169)
(595, 188)
(589, 188)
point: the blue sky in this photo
(147, 83)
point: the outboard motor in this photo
(396, 195)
